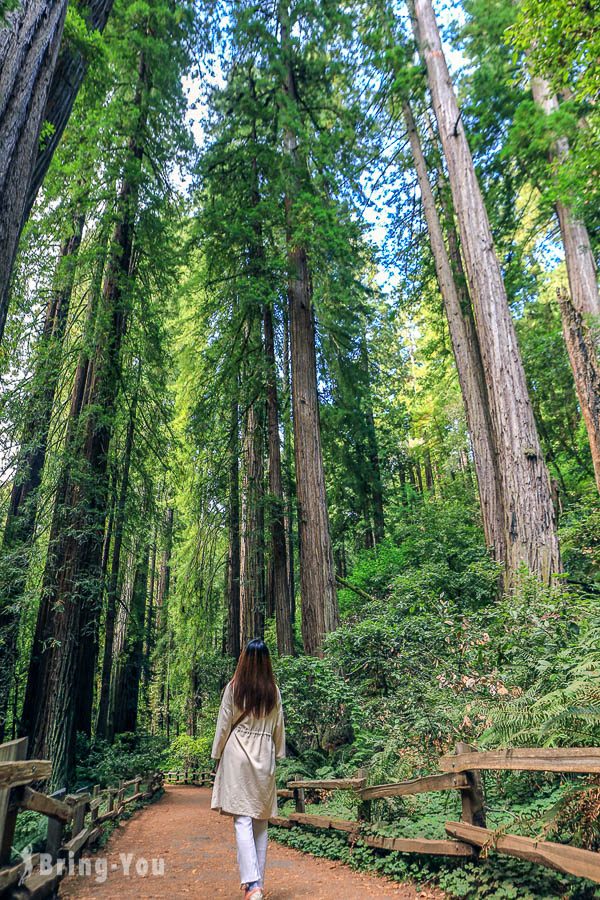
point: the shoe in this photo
(255, 894)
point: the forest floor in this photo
(198, 849)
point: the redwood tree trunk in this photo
(581, 316)
(113, 582)
(465, 347)
(252, 563)
(320, 613)
(233, 528)
(279, 578)
(29, 42)
(290, 488)
(128, 667)
(530, 527)
(149, 629)
(583, 356)
(317, 582)
(37, 84)
(23, 503)
(376, 481)
(67, 79)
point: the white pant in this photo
(251, 840)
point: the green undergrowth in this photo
(517, 803)
(494, 878)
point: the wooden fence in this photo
(470, 836)
(82, 815)
(190, 776)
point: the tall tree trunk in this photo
(163, 622)
(44, 622)
(580, 317)
(429, 479)
(128, 666)
(73, 576)
(530, 526)
(252, 562)
(583, 355)
(67, 79)
(233, 528)
(29, 42)
(288, 465)
(149, 628)
(376, 481)
(37, 84)
(579, 257)
(113, 583)
(465, 347)
(23, 502)
(164, 581)
(280, 584)
(320, 613)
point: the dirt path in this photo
(198, 849)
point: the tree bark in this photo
(164, 581)
(581, 316)
(279, 577)
(162, 619)
(252, 562)
(128, 666)
(376, 481)
(530, 526)
(429, 479)
(466, 350)
(113, 583)
(23, 502)
(233, 529)
(67, 79)
(29, 43)
(579, 257)
(149, 628)
(289, 466)
(320, 613)
(38, 84)
(583, 356)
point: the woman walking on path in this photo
(250, 737)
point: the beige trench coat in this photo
(245, 780)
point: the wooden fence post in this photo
(364, 807)
(55, 829)
(79, 808)
(95, 806)
(9, 752)
(299, 800)
(473, 801)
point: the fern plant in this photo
(550, 715)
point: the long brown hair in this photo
(254, 688)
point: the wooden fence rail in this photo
(80, 813)
(190, 776)
(461, 772)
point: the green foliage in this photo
(429, 653)
(129, 755)
(319, 705)
(495, 878)
(191, 753)
(30, 832)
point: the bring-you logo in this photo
(98, 867)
